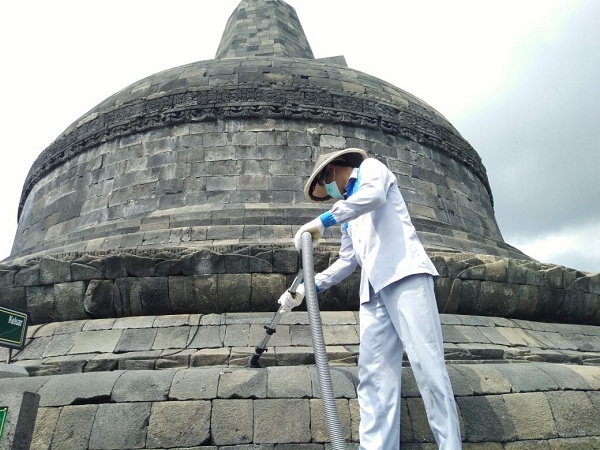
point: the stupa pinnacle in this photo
(264, 29)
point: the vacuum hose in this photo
(316, 330)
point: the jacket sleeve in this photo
(371, 193)
(340, 269)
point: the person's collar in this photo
(350, 185)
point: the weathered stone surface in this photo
(319, 429)
(574, 414)
(232, 422)
(183, 423)
(41, 304)
(486, 419)
(102, 341)
(181, 294)
(77, 388)
(539, 425)
(243, 383)
(195, 384)
(142, 386)
(54, 271)
(83, 272)
(98, 299)
(70, 300)
(234, 292)
(266, 290)
(74, 426)
(154, 295)
(127, 422)
(13, 297)
(271, 426)
(45, 424)
(136, 340)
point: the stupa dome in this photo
(216, 152)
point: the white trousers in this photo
(403, 317)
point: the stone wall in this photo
(244, 279)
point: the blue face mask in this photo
(333, 190)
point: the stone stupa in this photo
(155, 235)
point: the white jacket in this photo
(380, 236)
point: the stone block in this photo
(7, 278)
(421, 432)
(285, 261)
(289, 382)
(207, 337)
(123, 323)
(203, 262)
(236, 263)
(154, 295)
(205, 292)
(98, 300)
(114, 266)
(21, 414)
(60, 345)
(575, 415)
(197, 384)
(486, 418)
(234, 292)
(527, 425)
(278, 421)
(77, 388)
(142, 386)
(169, 267)
(179, 424)
(120, 426)
(70, 300)
(342, 381)
(139, 266)
(236, 335)
(133, 340)
(484, 379)
(232, 422)
(243, 383)
(171, 338)
(12, 371)
(126, 297)
(210, 357)
(528, 298)
(13, 297)
(447, 294)
(318, 421)
(182, 294)
(498, 299)
(54, 271)
(74, 426)
(266, 290)
(526, 377)
(470, 296)
(83, 272)
(41, 304)
(102, 341)
(45, 424)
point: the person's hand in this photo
(289, 300)
(315, 227)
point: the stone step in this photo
(158, 342)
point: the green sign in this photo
(13, 327)
(3, 413)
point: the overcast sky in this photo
(517, 78)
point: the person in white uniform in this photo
(398, 310)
